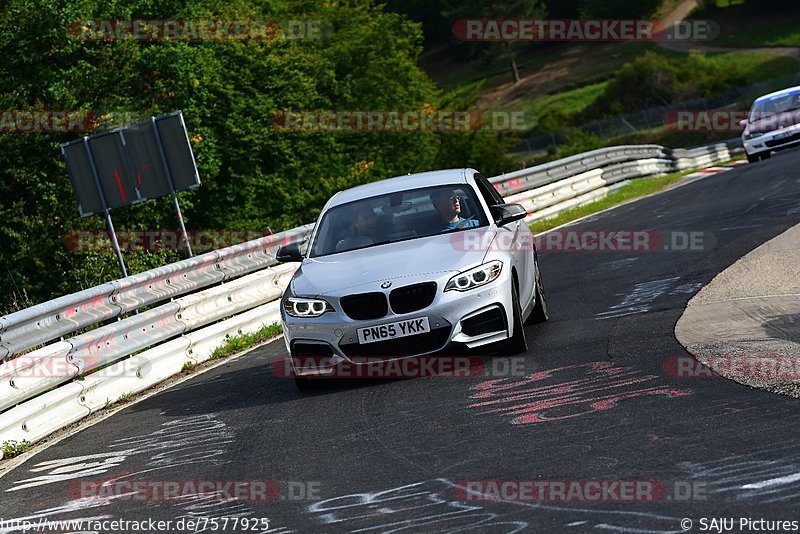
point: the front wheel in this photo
(752, 158)
(516, 344)
(539, 313)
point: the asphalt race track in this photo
(393, 456)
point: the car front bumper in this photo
(454, 317)
(773, 141)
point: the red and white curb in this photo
(716, 170)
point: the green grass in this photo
(241, 342)
(755, 66)
(553, 112)
(126, 397)
(635, 189)
(188, 367)
(14, 448)
(563, 84)
(565, 109)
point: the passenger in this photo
(448, 204)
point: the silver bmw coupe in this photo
(407, 267)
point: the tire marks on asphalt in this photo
(567, 392)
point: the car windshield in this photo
(768, 107)
(398, 216)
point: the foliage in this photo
(654, 79)
(576, 142)
(13, 448)
(255, 176)
(241, 342)
(437, 16)
(505, 9)
(481, 149)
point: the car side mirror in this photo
(507, 213)
(289, 253)
(743, 122)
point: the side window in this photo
(488, 192)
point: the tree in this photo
(498, 9)
(255, 176)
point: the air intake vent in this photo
(412, 298)
(365, 306)
(492, 320)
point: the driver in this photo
(362, 231)
(448, 205)
(365, 223)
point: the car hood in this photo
(427, 255)
(772, 124)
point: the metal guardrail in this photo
(551, 199)
(50, 320)
(548, 189)
(38, 390)
(522, 180)
(230, 291)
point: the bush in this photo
(577, 142)
(654, 79)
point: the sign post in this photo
(184, 235)
(109, 224)
(128, 165)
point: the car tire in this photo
(516, 344)
(753, 158)
(539, 313)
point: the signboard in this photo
(128, 165)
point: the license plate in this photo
(782, 135)
(382, 332)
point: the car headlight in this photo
(301, 307)
(475, 277)
(752, 135)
